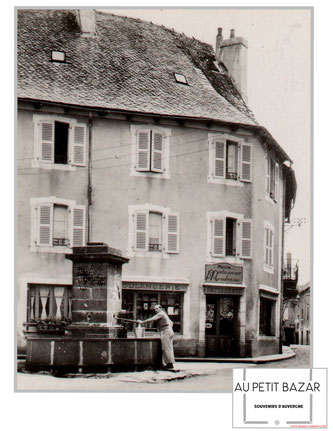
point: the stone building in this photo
(131, 134)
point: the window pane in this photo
(44, 302)
(61, 142)
(230, 237)
(232, 160)
(60, 227)
(155, 232)
(171, 303)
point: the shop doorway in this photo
(222, 328)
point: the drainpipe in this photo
(89, 189)
(282, 254)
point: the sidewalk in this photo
(187, 368)
(287, 353)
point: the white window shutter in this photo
(45, 224)
(246, 238)
(143, 150)
(141, 231)
(276, 191)
(78, 217)
(218, 237)
(271, 243)
(172, 245)
(219, 158)
(47, 141)
(246, 162)
(78, 157)
(268, 175)
(157, 152)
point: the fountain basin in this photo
(91, 354)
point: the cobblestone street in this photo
(192, 377)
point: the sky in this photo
(279, 84)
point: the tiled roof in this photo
(129, 66)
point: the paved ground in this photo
(192, 376)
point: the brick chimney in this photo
(232, 53)
(87, 22)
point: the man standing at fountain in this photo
(164, 326)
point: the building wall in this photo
(187, 192)
(39, 266)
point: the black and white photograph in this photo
(163, 196)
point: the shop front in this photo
(225, 311)
(139, 299)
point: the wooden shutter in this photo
(157, 152)
(141, 231)
(246, 238)
(79, 145)
(276, 191)
(218, 235)
(219, 158)
(45, 224)
(271, 243)
(78, 226)
(172, 245)
(47, 141)
(143, 150)
(246, 163)
(268, 175)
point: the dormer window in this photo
(181, 79)
(58, 56)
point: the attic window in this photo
(180, 78)
(58, 56)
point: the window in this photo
(56, 224)
(155, 232)
(229, 235)
(153, 229)
(229, 159)
(58, 56)
(150, 151)
(181, 79)
(268, 247)
(272, 178)
(140, 305)
(267, 317)
(59, 142)
(49, 301)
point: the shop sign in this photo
(223, 290)
(170, 287)
(224, 272)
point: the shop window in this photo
(272, 178)
(267, 317)
(48, 302)
(59, 142)
(140, 305)
(56, 224)
(229, 160)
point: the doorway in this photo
(222, 328)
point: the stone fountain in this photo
(94, 341)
